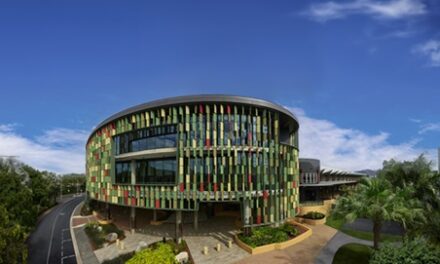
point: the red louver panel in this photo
(265, 194)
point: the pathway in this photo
(328, 252)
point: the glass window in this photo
(123, 172)
(146, 138)
(156, 171)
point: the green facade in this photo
(225, 152)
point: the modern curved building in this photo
(182, 152)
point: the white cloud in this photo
(350, 149)
(429, 127)
(63, 150)
(415, 120)
(7, 127)
(430, 49)
(57, 150)
(394, 9)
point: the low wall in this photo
(275, 246)
(324, 208)
(311, 221)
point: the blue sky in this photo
(366, 72)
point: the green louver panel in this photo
(225, 152)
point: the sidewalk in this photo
(80, 238)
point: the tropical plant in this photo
(422, 187)
(267, 235)
(162, 253)
(314, 215)
(410, 252)
(373, 199)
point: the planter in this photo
(313, 221)
(105, 222)
(275, 246)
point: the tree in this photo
(410, 252)
(408, 211)
(372, 199)
(72, 183)
(12, 236)
(24, 194)
(417, 176)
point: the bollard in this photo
(229, 243)
(219, 247)
(205, 251)
(121, 245)
(117, 242)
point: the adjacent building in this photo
(319, 187)
(186, 153)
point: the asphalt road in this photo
(51, 242)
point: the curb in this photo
(72, 235)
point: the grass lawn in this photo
(352, 253)
(338, 224)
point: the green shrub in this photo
(121, 259)
(161, 253)
(97, 236)
(314, 215)
(352, 253)
(410, 252)
(289, 229)
(261, 236)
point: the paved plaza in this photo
(210, 233)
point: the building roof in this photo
(336, 172)
(207, 98)
(325, 183)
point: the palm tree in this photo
(374, 199)
(408, 211)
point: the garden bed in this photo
(98, 232)
(159, 252)
(264, 239)
(353, 253)
(312, 218)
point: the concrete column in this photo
(246, 210)
(133, 172)
(178, 237)
(196, 220)
(107, 208)
(133, 209)
(154, 215)
(133, 218)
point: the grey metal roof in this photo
(336, 172)
(326, 183)
(207, 98)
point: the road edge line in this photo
(72, 235)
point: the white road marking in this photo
(66, 257)
(66, 240)
(53, 229)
